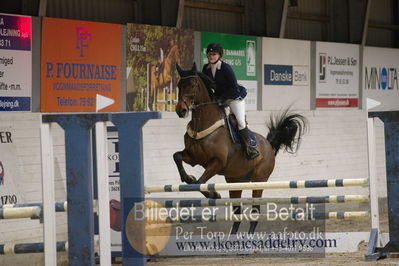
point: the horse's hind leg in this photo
(178, 158)
(236, 209)
(255, 209)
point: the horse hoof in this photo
(216, 195)
(191, 179)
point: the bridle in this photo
(193, 128)
(194, 106)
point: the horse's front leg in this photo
(213, 168)
(178, 157)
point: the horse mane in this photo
(209, 84)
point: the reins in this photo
(194, 106)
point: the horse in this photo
(165, 77)
(207, 141)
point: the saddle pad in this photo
(233, 131)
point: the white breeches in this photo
(238, 109)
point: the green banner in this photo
(239, 52)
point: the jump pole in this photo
(60, 206)
(252, 201)
(259, 185)
(24, 248)
(21, 212)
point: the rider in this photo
(159, 62)
(229, 93)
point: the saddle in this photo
(232, 126)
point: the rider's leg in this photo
(238, 109)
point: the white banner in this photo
(114, 189)
(15, 63)
(285, 74)
(250, 99)
(380, 77)
(337, 75)
(16, 78)
(9, 170)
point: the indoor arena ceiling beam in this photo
(180, 14)
(218, 7)
(42, 8)
(366, 23)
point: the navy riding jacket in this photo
(226, 83)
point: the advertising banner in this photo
(152, 54)
(9, 170)
(114, 188)
(380, 77)
(240, 53)
(286, 74)
(337, 75)
(15, 63)
(80, 66)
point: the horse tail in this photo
(286, 130)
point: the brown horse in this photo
(165, 77)
(207, 141)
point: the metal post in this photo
(42, 8)
(283, 19)
(180, 14)
(366, 23)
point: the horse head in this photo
(173, 54)
(188, 90)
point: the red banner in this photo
(337, 102)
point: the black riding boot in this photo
(250, 145)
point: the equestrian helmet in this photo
(215, 48)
